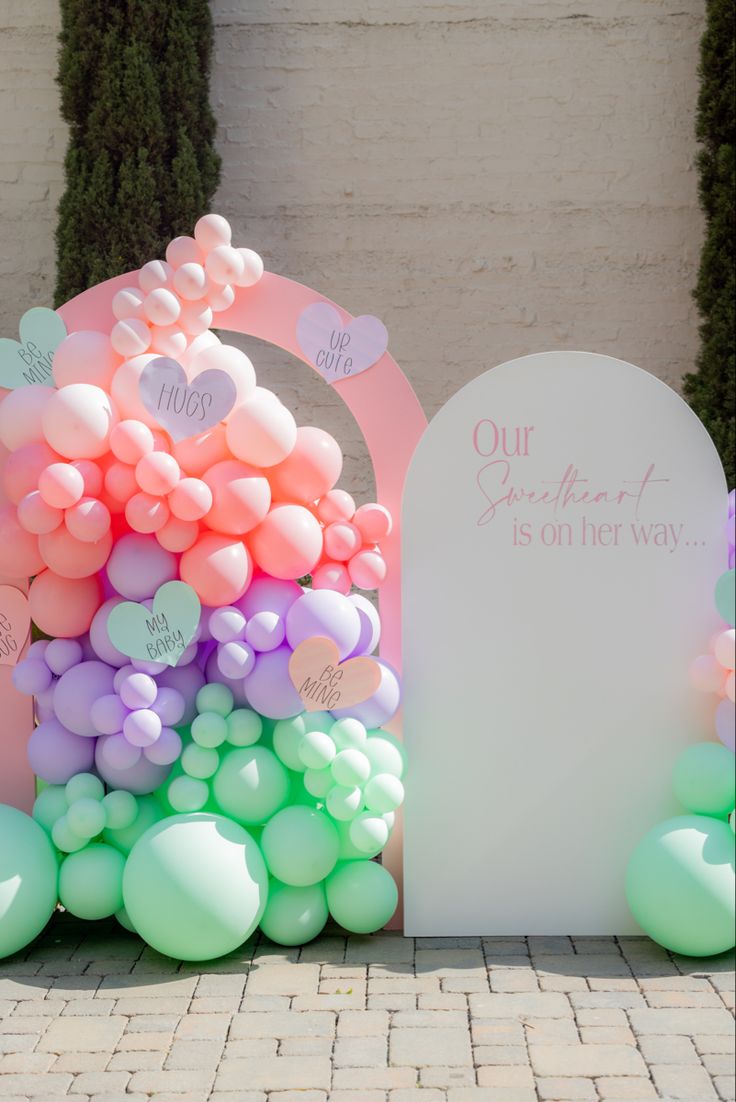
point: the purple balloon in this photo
(187, 680)
(370, 624)
(265, 594)
(38, 649)
(168, 706)
(265, 631)
(115, 752)
(99, 638)
(236, 685)
(726, 723)
(377, 709)
(224, 624)
(139, 565)
(142, 777)
(137, 690)
(142, 727)
(235, 660)
(32, 675)
(56, 754)
(77, 690)
(324, 612)
(269, 689)
(108, 714)
(62, 654)
(166, 749)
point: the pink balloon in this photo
(21, 470)
(220, 297)
(342, 540)
(373, 522)
(252, 268)
(310, 471)
(85, 357)
(36, 516)
(120, 481)
(63, 607)
(183, 250)
(130, 441)
(224, 264)
(705, 674)
(367, 569)
(157, 473)
(72, 558)
(190, 499)
(77, 421)
(161, 306)
(124, 389)
(288, 543)
(725, 649)
(155, 273)
(195, 318)
(146, 513)
(227, 358)
(199, 453)
(168, 340)
(88, 520)
(178, 535)
(138, 566)
(212, 230)
(20, 556)
(261, 432)
(335, 506)
(61, 485)
(130, 337)
(128, 303)
(218, 568)
(91, 476)
(240, 497)
(21, 415)
(331, 575)
(190, 281)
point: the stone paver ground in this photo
(90, 1012)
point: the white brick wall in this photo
(491, 177)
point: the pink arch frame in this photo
(387, 411)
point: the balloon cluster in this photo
(158, 774)
(680, 880)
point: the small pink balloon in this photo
(310, 471)
(128, 303)
(61, 485)
(36, 516)
(91, 476)
(120, 481)
(367, 569)
(178, 535)
(220, 298)
(183, 250)
(227, 358)
(156, 273)
(88, 520)
(331, 575)
(261, 432)
(190, 281)
(212, 230)
(342, 540)
(240, 497)
(157, 473)
(195, 318)
(70, 557)
(288, 542)
(224, 264)
(373, 521)
(21, 415)
(169, 340)
(130, 440)
(730, 687)
(218, 568)
(199, 453)
(146, 513)
(335, 506)
(190, 499)
(85, 357)
(252, 268)
(130, 337)
(21, 470)
(77, 421)
(161, 306)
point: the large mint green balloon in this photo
(28, 878)
(300, 845)
(680, 885)
(251, 784)
(362, 896)
(725, 597)
(91, 882)
(195, 886)
(294, 916)
(704, 780)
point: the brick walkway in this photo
(89, 1012)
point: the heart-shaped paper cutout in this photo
(28, 361)
(15, 622)
(339, 350)
(324, 682)
(160, 634)
(185, 408)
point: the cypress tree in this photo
(711, 390)
(141, 166)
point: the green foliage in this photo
(141, 166)
(711, 391)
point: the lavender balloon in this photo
(169, 706)
(187, 680)
(370, 624)
(56, 754)
(235, 660)
(31, 676)
(77, 690)
(62, 654)
(324, 612)
(265, 594)
(265, 631)
(140, 778)
(269, 689)
(99, 638)
(166, 749)
(139, 565)
(108, 713)
(379, 708)
(235, 684)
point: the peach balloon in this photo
(21, 469)
(191, 499)
(261, 432)
(218, 568)
(288, 543)
(178, 535)
(72, 558)
(241, 497)
(61, 485)
(64, 607)
(335, 506)
(130, 441)
(91, 476)
(85, 357)
(77, 421)
(21, 415)
(35, 515)
(128, 303)
(169, 340)
(332, 575)
(130, 337)
(367, 569)
(146, 513)
(373, 522)
(120, 481)
(88, 520)
(233, 362)
(342, 540)
(212, 230)
(195, 318)
(252, 268)
(156, 273)
(311, 470)
(19, 553)
(183, 250)
(124, 390)
(157, 473)
(196, 454)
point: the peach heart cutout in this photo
(15, 622)
(324, 683)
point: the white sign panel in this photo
(563, 530)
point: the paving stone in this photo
(541, 1004)
(626, 1089)
(136, 1061)
(569, 1089)
(597, 945)
(430, 1019)
(500, 1055)
(551, 982)
(684, 998)
(355, 1052)
(173, 1082)
(388, 1078)
(96, 1035)
(595, 964)
(152, 1023)
(329, 1002)
(306, 1046)
(151, 1005)
(445, 961)
(263, 1003)
(606, 1035)
(668, 1050)
(447, 1077)
(100, 1082)
(423, 1047)
(369, 950)
(491, 1094)
(725, 1085)
(676, 1021)
(184, 1055)
(204, 1027)
(297, 1096)
(356, 1096)
(27, 1085)
(392, 1002)
(362, 1023)
(314, 1024)
(284, 979)
(496, 1031)
(218, 985)
(26, 1062)
(551, 1031)
(410, 1095)
(514, 979)
(718, 1064)
(585, 1060)
(17, 1042)
(715, 1043)
(442, 1000)
(87, 1008)
(326, 950)
(550, 945)
(602, 1000)
(255, 1046)
(21, 988)
(144, 1041)
(75, 1062)
(516, 1077)
(275, 1073)
(602, 1016)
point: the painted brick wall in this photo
(491, 177)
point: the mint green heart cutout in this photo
(161, 634)
(28, 362)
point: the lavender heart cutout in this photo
(185, 408)
(338, 349)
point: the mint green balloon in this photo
(300, 846)
(91, 881)
(51, 803)
(64, 838)
(725, 597)
(704, 780)
(149, 812)
(199, 761)
(251, 784)
(680, 885)
(385, 753)
(86, 817)
(195, 886)
(84, 786)
(215, 698)
(287, 737)
(187, 794)
(121, 809)
(294, 916)
(28, 879)
(362, 896)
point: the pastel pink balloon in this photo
(61, 485)
(261, 432)
(161, 306)
(21, 470)
(72, 558)
(156, 273)
(157, 473)
(178, 535)
(195, 318)
(120, 481)
(91, 476)
(367, 569)
(227, 358)
(183, 250)
(199, 453)
(130, 441)
(21, 415)
(220, 298)
(240, 497)
(88, 520)
(146, 513)
(77, 421)
(288, 542)
(124, 389)
(310, 471)
(19, 552)
(128, 303)
(332, 575)
(138, 566)
(63, 607)
(130, 337)
(212, 230)
(169, 340)
(218, 568)
(85, 357)
(252, 268)
(191, 499)
(335, 506)
(224, 264)
(373, 522)
(342, 540)
(36, 516)
(705, 674)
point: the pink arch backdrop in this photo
(388, 413)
